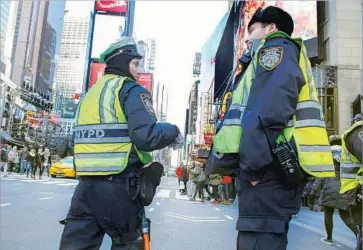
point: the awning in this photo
(6, 137)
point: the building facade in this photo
(338, 76)
(36, 42)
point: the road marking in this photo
(17, 184)
(191, 217)
(46, 198)
(5, 204)
(180, 197)
(29, 180)
(194, 219)
(157, 203)
(68, 184)
(163, 193)
(151, 209)
(228, 217)
(52, 182)
(216, 208)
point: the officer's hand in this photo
(254, 183)
(178, 143)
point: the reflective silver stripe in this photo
(113, 99)
(350, 168)
(101, 108)
(310, 123)
(101, 140)
(235, 121)
(237, 107)
(315, 148)
(308, 104)
(320, 168)
(347, 176)
(309, 73)
(101, 126)
(101, 155)
(290, 123)
(360, 178)
(232, 122)
(100, 169)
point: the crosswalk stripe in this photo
(51, 182)
(163, 193)
(68, 184)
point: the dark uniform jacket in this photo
(268, 206)
(145, 132)
(273, 97)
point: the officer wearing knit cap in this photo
(116, 129)
(279, 103)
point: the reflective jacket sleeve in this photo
(145, 132)
(354, 142)
(272, 100)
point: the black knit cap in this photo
(272, 14)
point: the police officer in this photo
(115, 129)
(351, 169)
(274, 101)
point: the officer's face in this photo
(258, 30)
(134, 67)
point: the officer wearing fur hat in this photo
(274, 108)
(115, 131)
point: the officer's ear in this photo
(272, 27)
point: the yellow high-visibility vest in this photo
(102, 144)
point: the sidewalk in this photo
(314, 221)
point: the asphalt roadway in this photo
(30, 211)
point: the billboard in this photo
(96, 72)
(69, 108)
(209, 52)
(304, 14)
(112, 6)
(107, 29)
(146, 80)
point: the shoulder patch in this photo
(271, 57)
(146, 100)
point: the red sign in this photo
(146, 80)
(208, 139)
(97, 70)
(115, 6)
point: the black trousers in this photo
(262, 241)
(265, 211)
(100, 206)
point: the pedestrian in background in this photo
(215, 181)
(32, 158)
(331, 199)
(11, 159)
(46, 160)
(24, 160)
(40, 160)
(4, 160)
(185, 178)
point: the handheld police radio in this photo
(286, 156)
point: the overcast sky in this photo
(180, 29)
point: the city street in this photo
(30, 211)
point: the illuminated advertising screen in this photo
(96, 72)
(304, 14)
(107, 29)
(115, 6)
(146, 80)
